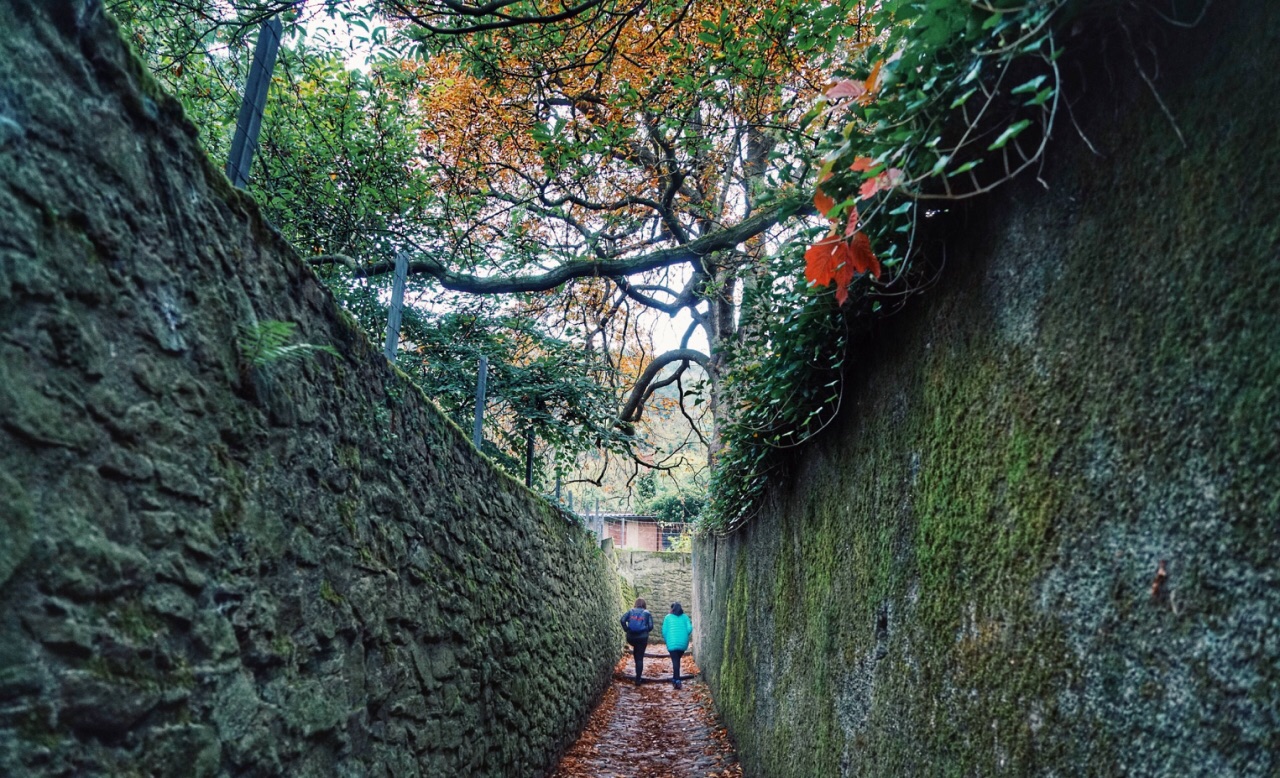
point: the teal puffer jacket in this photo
(676, 631)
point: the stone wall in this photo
(963, 578)
(212, 568)
(661, 578)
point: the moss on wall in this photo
(211, 567)
(960, 579)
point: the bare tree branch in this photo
(504, 21)
(634, 406)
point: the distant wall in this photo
(961, 578)
(210, 568)
(661, 578)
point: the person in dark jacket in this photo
(676, 630)
(638, 623)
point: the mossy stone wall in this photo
(661, 578)
(210, 568)
(964, 577)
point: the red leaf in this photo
(886, 180)
(864, 259)
(834, 259)
(819, 261)
(843, 272)
(851, 224)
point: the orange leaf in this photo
(862, 164)
(836, 260)
(872, 83)
(822, 201)
(819, 261)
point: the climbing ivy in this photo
(949, 99)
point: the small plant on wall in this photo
(268, 342)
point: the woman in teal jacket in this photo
(676, 629)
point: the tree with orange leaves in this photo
(653, 151)
(586, 162)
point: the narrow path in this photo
(652, 730)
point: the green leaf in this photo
(962, 99)
(1028, 86)
(1041, 97)
(1009, 134)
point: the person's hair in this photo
(640, 603)
(676, 609)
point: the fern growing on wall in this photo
(267, 342)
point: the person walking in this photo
(677, 627)
(638, 623)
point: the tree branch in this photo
(492, 9)
(693, 251)
(630, 413)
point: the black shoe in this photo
(678, 684)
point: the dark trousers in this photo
(676, 656)
(638, 647)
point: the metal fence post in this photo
(397, 304)
(477, 434)
(249, 123)
(528, 459)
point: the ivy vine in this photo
(948, 99)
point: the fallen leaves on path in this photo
(652, 730)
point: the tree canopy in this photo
(587, 168)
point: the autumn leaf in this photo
(862, 164)
(872, 83)
(819, 261)
(851, 223)
(846, 88)
(864, 260)
(885, 180)
(869, 187)
(822, 201)
(835, 259)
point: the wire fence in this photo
(640, 531)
